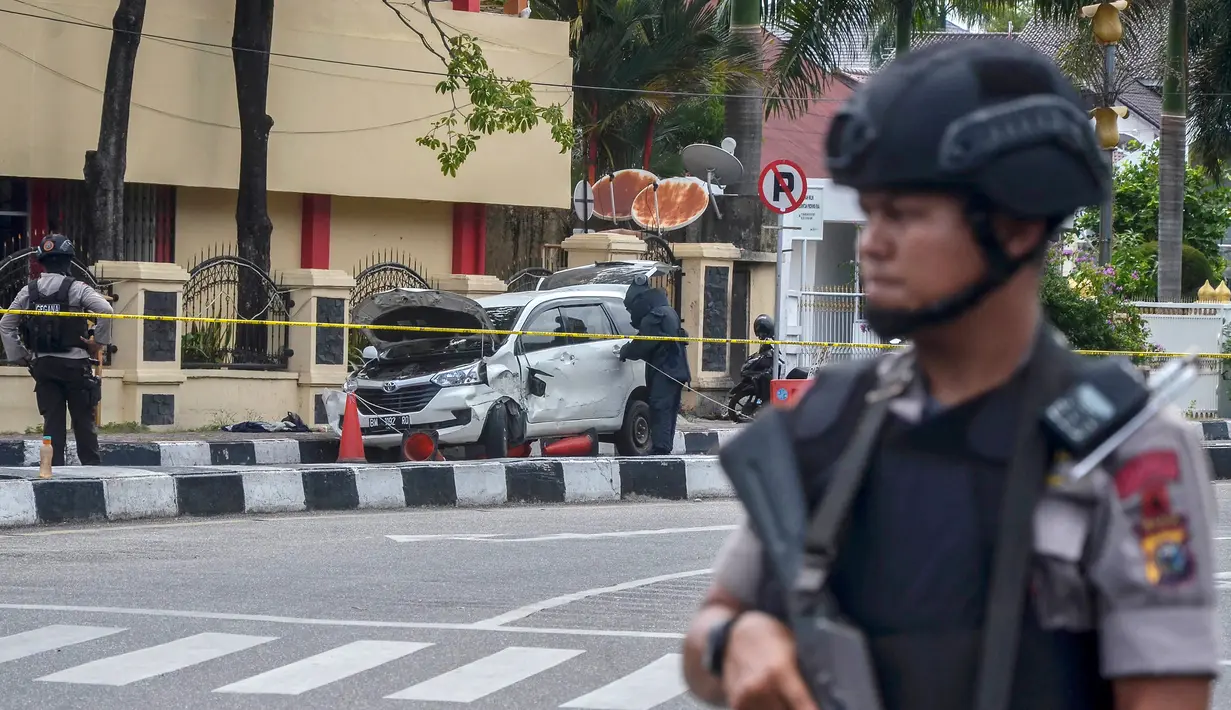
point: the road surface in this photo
(525, 607)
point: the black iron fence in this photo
(231, 287)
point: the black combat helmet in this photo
(55, 245)
(990, 120)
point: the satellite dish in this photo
(728, 144)
(716, 164)
(614, 193)
(583, 201)
(670, 204)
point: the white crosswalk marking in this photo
(28, 643)
(487, 675)
(642, 689)
(154, 661)
(324, 668)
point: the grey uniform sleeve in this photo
(10, 328)
(1152, 565)
(93, 302)
(738, 567)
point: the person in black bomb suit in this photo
(666, 370)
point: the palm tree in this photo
(1209, 83)
(1171, 148)
(677, 52)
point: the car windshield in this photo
(622, 274)
(503, 318)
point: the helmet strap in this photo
(893, 323)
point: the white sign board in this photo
(809, 218)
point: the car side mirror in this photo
(369, 353)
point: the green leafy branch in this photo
(496, 103)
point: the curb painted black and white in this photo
(137, 493)
(272, 451)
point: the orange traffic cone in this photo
(350, 448)
(420, 446)
(584, 445)
(520, 451)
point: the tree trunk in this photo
(250, 45)
(105, 167)
(1171, 158)
(648, 152)
(742, 213)
(905, 17)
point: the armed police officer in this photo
(57, 348)
(919, 536)
(666, 362)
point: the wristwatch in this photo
(716, 645)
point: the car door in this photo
(545, 369)
(632, 372)
(601, 385)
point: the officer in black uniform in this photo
(967, 157)
(57, 350)
(666, 363)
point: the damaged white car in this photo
(488, 393)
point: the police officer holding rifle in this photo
(985, 520)
(58, 349)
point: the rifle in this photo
(833, 656)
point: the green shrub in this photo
(1091, 306)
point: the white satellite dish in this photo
(716, 164)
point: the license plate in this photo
(390, 420)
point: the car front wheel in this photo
(495, 437)
(633, 439)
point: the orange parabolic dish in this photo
(624, 185)
(681, 201)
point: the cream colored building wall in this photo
(215, 398)
(338, 130)
(421, 231)
(205, 222)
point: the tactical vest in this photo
(52, 334)
(914, 566)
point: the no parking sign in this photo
(783, 186)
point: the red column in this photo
(469, 238)
(38, 210)
(469, 220)
(314, 232)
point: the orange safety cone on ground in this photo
(350, 448)
(421, 446)
(584, 445)
(520, 451)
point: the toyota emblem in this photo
(390, 386)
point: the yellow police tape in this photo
(552, 334)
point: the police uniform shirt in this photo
(80, 296)
(1122, 573)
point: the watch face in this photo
(716, 646)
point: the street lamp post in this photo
(1107, 30)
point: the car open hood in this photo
(417, 307)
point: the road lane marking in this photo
(527, 610)
(642, 689)
(49, 638)
(324, 668)
(551, 537)
(156, 660)
(358, 623)
(486, 675)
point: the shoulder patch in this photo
(1146, 472)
